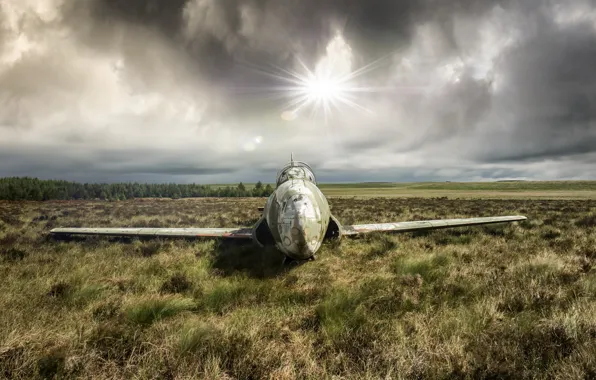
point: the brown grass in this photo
(501, 301)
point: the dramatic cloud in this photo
(113, 90)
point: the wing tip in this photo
(511, 218)
(61, 231)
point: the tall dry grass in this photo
(506, 301)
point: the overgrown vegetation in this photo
(33, 189)
(500, 301)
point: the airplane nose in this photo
(301, 230)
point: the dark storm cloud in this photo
(163, 14)
(179, 170)
(219, 33)
(118, 87)
(549, 96)
(105, 164)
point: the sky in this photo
(221, 91)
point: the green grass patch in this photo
(431, 267)
(147, 311)
(344, 321)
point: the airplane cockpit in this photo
(296, 170)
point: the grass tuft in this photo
(430, 267)
(178, 283)
(51, 366)
(60, 290)
(381, 245)
(147, 311)
(199, 338)
(12, 254)
(551, 234)
(114, 342)
(150, 248)
(106, 310)
(587, 221)
(343, 320)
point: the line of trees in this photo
(34, 189)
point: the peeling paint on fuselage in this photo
(297, 214)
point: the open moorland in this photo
(495, 190)
(500, 301)
(485, 190)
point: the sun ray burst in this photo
(323, 89)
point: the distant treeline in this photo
(25, 188)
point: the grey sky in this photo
(119, 90)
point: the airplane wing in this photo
(231, 233)
(425, 224)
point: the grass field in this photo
(501, 301)
(494, 190)
(489, 190)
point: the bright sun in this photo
(327, 86)
(322, 90)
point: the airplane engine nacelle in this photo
(333, 229)
(262, 234)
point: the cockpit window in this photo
(295, 170)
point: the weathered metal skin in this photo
(297, 214)
(230, 233)
(426, 224)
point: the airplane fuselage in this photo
(297, 213)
